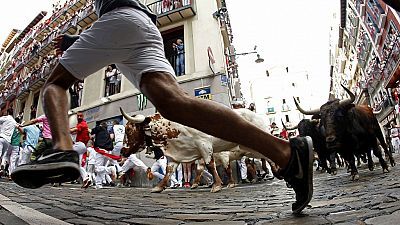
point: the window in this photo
(174, 49)
(113, 80)
(34, 106)
(75, 93)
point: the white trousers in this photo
(13, 159)
(6, 149)
(81, 149)
(133, 162)
(159, 164)
(103, 172)
(243, 168)
(396, 144)
(25, 155)
(177, 179)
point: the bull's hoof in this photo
(157, 189)
(231, 185)
(386, 170)
(333, 171)
(216, 188)
(194, 186)
(392, 163)
(371, 168)
(355, 177)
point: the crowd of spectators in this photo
(35, 40)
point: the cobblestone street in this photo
(374, 199)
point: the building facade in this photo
(202, 27)
(367, 57)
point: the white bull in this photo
(181, 143)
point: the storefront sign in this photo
(203, 92)
(92, 114)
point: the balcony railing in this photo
(88, 16)
(38, 78)
(172, 12)
(23, 89)
(76, 6)
(8, 75)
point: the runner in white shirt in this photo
(394, 135)
(7, 126)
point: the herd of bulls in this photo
(338, 127)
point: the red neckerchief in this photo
(106, 154)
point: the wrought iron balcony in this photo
(172, 13)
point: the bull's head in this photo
(134, 134)
(333, 118)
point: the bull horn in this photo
(348, 100)
(135, 119)
(288, 128)
(310, 112)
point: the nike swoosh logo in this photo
(300, 174)
(48, 156)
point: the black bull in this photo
(351, 130)
(313, 129)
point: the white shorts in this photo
(125, 37)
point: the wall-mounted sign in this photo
(224, 80)
(203, 92)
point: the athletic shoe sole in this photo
(37, 175)
(310, 177)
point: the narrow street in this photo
(374, 199)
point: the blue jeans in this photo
(180, 64)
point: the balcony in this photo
(19, 66)
(173, 13)
(87, 17)
(76, 6)
(70, 27)
(11, 95)
(42, 33)
(8, 75)
(23, 90)
(58, 18)
(37, 79)
(32, 60)
(2, 102)
(47, 46)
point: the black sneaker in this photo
(53, 166)
(299, 172)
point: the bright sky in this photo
(19, 13)
(287, 32)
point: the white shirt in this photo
(119, 133)
(7, 126)
(95, 158)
